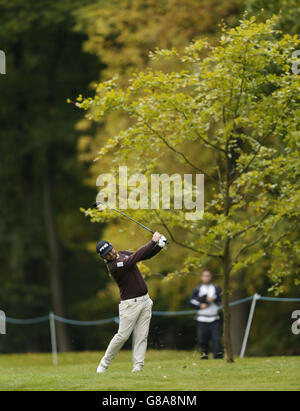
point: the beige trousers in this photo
(135, 315)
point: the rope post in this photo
(2, 322)
(53, 338)
(250, 318)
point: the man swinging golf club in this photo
(135, 308)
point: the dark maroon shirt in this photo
(126, 273)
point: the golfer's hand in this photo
(203, 305)
(162, 241)
(156, 237)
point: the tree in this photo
(287, 10)
(121, 34)
(241, 102)
(41, 180)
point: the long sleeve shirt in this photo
(126, 273)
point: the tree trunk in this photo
(55, 261)
(226, 309)
(239, 314)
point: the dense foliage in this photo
(57, 50)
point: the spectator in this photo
(207, 297)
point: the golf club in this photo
(97, 203)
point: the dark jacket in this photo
(195, 300)
(126, 273)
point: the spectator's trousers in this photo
(210, 331)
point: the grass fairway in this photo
(164, 370)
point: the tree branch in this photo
(199, 136)
(245, 169)
(210, 144)
(182, 244)
(251, 225)
(248, 246)
(180, 153)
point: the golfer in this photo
(135, 308)
(206, 297)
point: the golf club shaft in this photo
(125, 215)
(132, 219)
